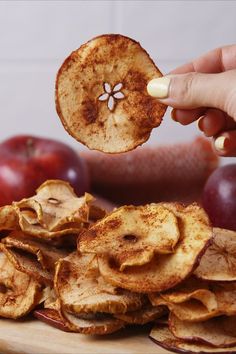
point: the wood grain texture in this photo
(34, 337)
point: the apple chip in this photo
(97, 323)
(199, 305)
(55, 206)
(8, 218)
(28, 265)
(133, 235)
(219, 261)
(46, 254)
(101, 94)
(164, 270)
(219, 332)
(81, 289)
(146, 314)
(53, 318)
(191, 288)
(19, 293)
(162, 336)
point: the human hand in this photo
(204, 89)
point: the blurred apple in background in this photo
(27, 161)
(219, 197)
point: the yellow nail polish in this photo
(159, 88)
(220, 143)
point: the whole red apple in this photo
(27, 161)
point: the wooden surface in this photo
(35, 337)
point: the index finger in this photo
(215, 61)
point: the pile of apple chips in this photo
(83, 270)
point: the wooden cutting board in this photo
(35, 337)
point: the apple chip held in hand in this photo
(101, 95)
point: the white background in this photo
(36, 36)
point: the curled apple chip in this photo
(163, 337)
(19, 293)
(101, 94)
(190, 289)
(147, 313)
(81, 289)
(46, 254)
(98, 323)
(53, 318)
(219, 261)
(164, 270)
(133, 235)
(8, 218)
(55, 207)
(28, 265)
(195, 305)
(219, 332)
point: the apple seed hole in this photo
(53, 201)
(130, 238)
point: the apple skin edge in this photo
(27, 161)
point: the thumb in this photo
(194, 90)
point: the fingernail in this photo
(173, 115)
(159, 88)
(220, 143)
(200, 123)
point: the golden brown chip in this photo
(19, 293)
(133, 235)
(46, 254)
(101, 94)
(8, 218)
(54, 208)
(197, 305)
(146, 314)
(92, 323)
(162, 336)
(191, 288)
(53, 318)
(81, 288)
(28, 265)
(219, 332)
(165, 271)
(219, 261)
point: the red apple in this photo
(27, 161)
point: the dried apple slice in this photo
(8, 218)
(93, 323)
(162, 336)
(53, 318)
(55, 205)
(146, 314)
(133, 235)
(190, 289)
(219, 332)
(197, 305)
(101, 94)
(19, 293)
(165, 271)
(81, 289)
(46, 254)
(28, 265)
(219, 261)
